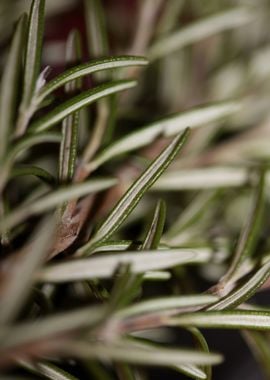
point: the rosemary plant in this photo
(133, 188)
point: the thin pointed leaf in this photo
(250, 232)
(86, 69)
(78, 102)
(98, 46)
(9, 84)
(68, 147)
(32, 61)
(167, 127)
(96, 30)
(36, 171)
(47, 370)
(155, 231)
(49, 327)
(204, 178)
(202, 344)
(32, 140)
(105, 266)
(21, 277)
(250, 320)
(199, 30)
(131, 353)
(245, 291)
(132, 197)
(53, 199)
(191, 214)
(258, 343)
(166, 303)
(22, 146)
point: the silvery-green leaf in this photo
(244, 291)
(152, 239)
(87, 69)
(204, 178)
(235, 319)
(250, 232)
(105, 266)
(167, 127)
(166, 303)
(27, 332)
(133, 195)
(32, 62)
(53, 199)
(21, 276)
(9, 85)
(76, 103)
(199, 30)
(132, 353)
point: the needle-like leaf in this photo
(9, 85)
(87, 69)
(131, 198)
(230, 19)
(36, 171)
(105, 266)
(78, 102)
(47, 370)
(32, 62)
(204, 178)
(27, 332)
(53, 199)
(167, 127)
(70, 125)
(250, 232)
(250, 320)
(245, 291)
(132, 353)
(20, 280)
(166, 303)
(152, 239)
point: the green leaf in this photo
(169, 126)
(70, 125)
(191, 371)
(203, 346)
(194, 211)
(245, 291)
(98, 46)
(21, 277)
(202, 178)
(250, 320)
(36, 171)
(86, 69)
(47, 370)
(258, 343)
(130, 353)
(132, 197)
(154, 233)
(31, 140)
(32, 62)
(53, 199)
(167, 303)
(105, 266)
(49, 327)
(199, 30)
(9, 84)
(76, 103)
(250, 232)
(96, 29)
(22, 146)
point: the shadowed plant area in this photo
(134, 189)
